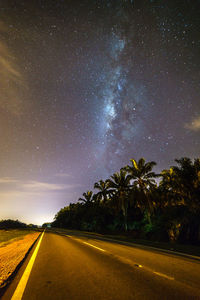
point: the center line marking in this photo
(94, 246)
(163, 275)
(24, 279)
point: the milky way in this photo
(86, 86)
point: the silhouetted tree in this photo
(88, 197)
(131, 199)
(11, 224)
(103, 188)
(143, 180)
(120, 184)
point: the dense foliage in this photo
(8, 224)
(132, 201)
(15, 224)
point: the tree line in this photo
(14, 224)
(132, 201)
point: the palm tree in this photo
(182, 186)
(103, 188)
(183, 182)
(88, 197)
(143, 179)
(168, 188)
(188, 180)
(119, 185)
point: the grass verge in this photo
(11, 235)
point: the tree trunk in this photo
(124, 210)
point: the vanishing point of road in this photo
(71, 266)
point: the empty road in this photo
(72, 267)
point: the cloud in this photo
(44, 186)
(12, 83)
(194, 125)
(32, 186)
(8, 180)
(63, 175)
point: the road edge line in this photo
(18, 293)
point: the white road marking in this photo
(164, 275)
(79, 240)
(24, 279)
(94, 246)
(122, 259)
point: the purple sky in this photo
(87, 85)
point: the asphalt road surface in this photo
(74, 267)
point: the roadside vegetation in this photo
(12, 230)
(8, 236)
(13, 251)
(132, 202)
(11, 224)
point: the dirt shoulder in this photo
(12, 254)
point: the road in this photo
(75, 267)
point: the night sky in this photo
(87, 85)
